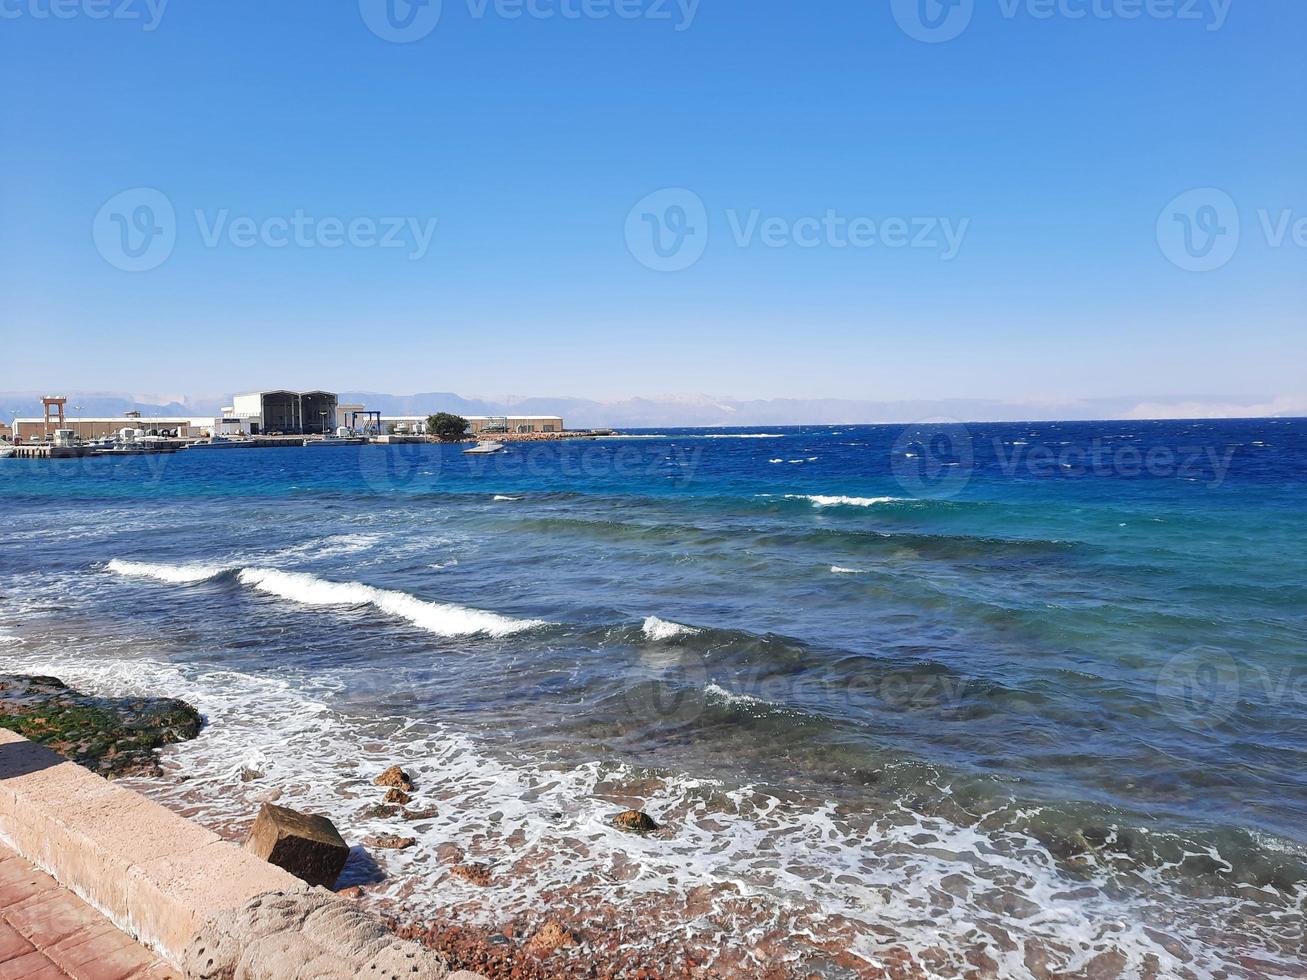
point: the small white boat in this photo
(6, 451)
(484, 449)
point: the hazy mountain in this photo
(708, 411)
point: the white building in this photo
(482, 424)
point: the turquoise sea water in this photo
(1010, 698)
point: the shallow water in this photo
(1024, 699)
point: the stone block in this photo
(309, 847)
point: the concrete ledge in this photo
(154, 874)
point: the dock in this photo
(51, 452)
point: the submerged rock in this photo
(395, 795)
(395, 777)
(389, 842)
(635, 822)
(476, 874)
(111, 736)
(551, 936)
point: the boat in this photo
(221, 442)
(6, 450)
(484, 449)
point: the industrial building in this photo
(287, 412)
(482, 424)
(263, 413)
(30, 430)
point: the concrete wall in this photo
(155, 875)
(205, 905)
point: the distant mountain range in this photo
(669, 411)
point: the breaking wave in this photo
(172, 574)
(440, 618)
(660, 629)
(821, 500)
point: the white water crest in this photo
(660, 629)
(821, 500)
(839, 570)
(172, 574)
(440, 618)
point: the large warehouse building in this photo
(288, 412)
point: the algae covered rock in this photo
(111, 736)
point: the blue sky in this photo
(1049, 144)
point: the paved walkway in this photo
(48, 933)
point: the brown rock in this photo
(476, 874)
(426, 813)
(354, 891)
(551, 937)
(389, 842)
(396, 795)
(395, 777)
(309, 847)
(379, 811)
(635, 822)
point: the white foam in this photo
(720, 693)
(500, 496)
(820, 500)
(660, 629)
(813, 870)
(172, 574)
(441, 618)
(837, 570)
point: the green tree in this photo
(446, 427)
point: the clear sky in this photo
(1035, 160)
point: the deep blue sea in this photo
(991, 700)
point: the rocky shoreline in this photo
(110, 736)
